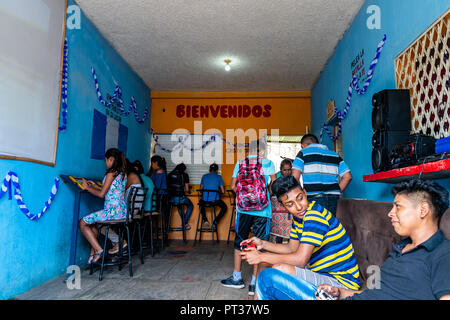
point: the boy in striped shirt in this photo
(320, 251)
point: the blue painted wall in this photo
(33, 252)
(402, 21)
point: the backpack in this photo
(175, 183)
(251, 191)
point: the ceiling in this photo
(179, 45)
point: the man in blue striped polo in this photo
(325, 174)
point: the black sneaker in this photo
(231, 283)
(251, 290)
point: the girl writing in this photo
(112, 191)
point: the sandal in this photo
(91, 257)
(100, 255)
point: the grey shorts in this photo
(317, 278)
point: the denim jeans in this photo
(274, 284)
(184, 201)
(328, 201)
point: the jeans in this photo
(183, 201)
(274, 284)
(218, 203)
(328, 201)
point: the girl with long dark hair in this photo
(113, 192)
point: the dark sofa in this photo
(370, 229)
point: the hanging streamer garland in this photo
(182, 142)
(353, 85)
(118, 96)
(12, 180)
(65, 74)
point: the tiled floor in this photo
(180, 272)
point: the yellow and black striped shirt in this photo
(333, 255)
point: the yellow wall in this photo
(287, 111)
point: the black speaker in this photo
(383, 141)
(391, 110)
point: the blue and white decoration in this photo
(353, 85)
(12, 180)
(65, 66)
(182, 142)
(117, 96)
(107, 133)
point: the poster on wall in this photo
(31, 40)
(107, 133)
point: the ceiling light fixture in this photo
(227, 64)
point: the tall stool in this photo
(122, 226)
(232, 197)
(206, 204)
(135, 206)
(180, 207)
(155, 211)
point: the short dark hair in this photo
(285, 161)
(309, 138)
(214, 167)
(429, 190)
(283, 185)
(180, 167)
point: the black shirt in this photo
(422, 273)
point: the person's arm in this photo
(298, 166)
(222, 189)
(345, 180)
(280, 248)
(296, 174)
(273, 177)
(106, 185)
(233, 184)
(300, 258)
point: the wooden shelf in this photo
(432, 170)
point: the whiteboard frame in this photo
(52, 164)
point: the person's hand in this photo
(85, 184)
(252, 256)
(333, 291)
(256, 241)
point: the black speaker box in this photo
(383, 141)
(391, 110)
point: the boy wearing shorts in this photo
(258, 221)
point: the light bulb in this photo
(227, 64)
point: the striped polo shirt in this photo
(333, 254)
(321, 169)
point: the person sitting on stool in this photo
(212, 181)
(178, 184)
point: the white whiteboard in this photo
(197, 161)
(31, 38)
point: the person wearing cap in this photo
(212, 181)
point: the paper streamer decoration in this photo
(12, 180)
(118, 96)
(64, 87)
(353, 85)
(182, 142)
